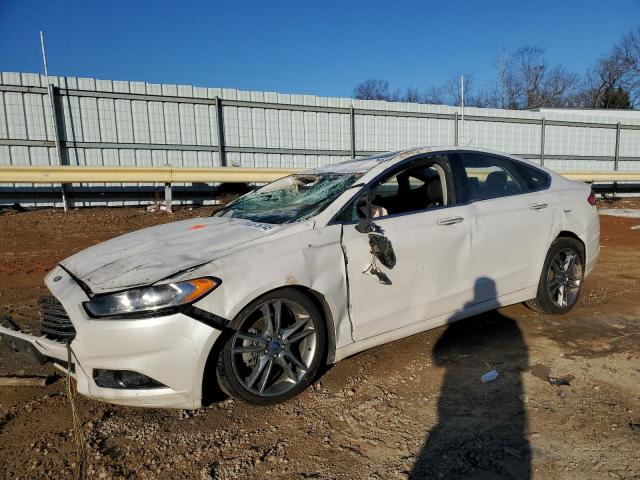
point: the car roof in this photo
(364, 164)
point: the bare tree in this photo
(412, 95)
(607, 73)
(435, 96)
(628, 50)
(529, 82)
(373, 89)
(619, 69)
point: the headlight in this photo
(145, 300)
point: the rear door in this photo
(426, 239)
(512, 221)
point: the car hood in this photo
(151, 254)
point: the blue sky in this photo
(321, 48)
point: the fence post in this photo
(543, 125)
(455, 129)
(352, 123)
(51, 90)
(352, 118)
(616, 157)
(220, 121)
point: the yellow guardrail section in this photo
(600, 176)
(64, 174)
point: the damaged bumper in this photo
(169, 351)
(40, 348)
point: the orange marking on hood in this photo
(198, 226)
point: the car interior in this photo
(486, 178)
(414, 189)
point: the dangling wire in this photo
(78, 436)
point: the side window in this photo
(410, 190)
(490, 177)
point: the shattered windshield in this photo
(290, 199)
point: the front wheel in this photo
(561, 279)
(276, 349)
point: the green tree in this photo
(615, 98)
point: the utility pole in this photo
(44, 55)
(500, 65)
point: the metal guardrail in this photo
(170, 175)
(64, 174)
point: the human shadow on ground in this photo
(481, 430)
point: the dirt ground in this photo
(412, 408)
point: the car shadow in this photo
(481, 429)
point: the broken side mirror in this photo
(382, 249)
(367, 226)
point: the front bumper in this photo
(171, 349)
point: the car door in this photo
(512, 220)
(427, 274)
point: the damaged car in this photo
(310, 269)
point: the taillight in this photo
(592, 199)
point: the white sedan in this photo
(311, 269)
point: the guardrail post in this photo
(543, 125)
(352, 118)
(51, 90)
(455, 129)
(168, 196)
(222, 155)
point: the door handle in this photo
(538, 206)
(450, 220)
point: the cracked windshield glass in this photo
(290, 199)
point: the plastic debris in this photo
(635, 426)
(489, 376)
(27, 380)
(155, 207)
(559, 381)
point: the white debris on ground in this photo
(156, 206)
(621, 212)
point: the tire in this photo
(561, 279)
(262, 364)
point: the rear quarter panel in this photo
(579, 218)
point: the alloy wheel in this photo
(564, 277)
(273, 348)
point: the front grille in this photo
(55, 323)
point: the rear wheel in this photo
(561, 279)
(276, 349)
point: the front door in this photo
(422, 240)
